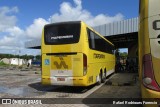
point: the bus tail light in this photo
(84, 64)
(148, 73)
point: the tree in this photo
(117, 53)
(38, 57)
(124, 54)
(30, 57)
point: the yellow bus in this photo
(149, 48)
(74, 54)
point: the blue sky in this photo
(22, 20)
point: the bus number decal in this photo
(156, 25)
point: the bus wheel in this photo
(103, 77)
(99, 79)
(105, 74)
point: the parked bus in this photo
(74, 54)
(149, 48)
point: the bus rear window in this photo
(62, 33)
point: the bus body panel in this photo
(66, 65)
(147, 93)
(143, 10)
(64, 68)
(107, 63)
(154, 8)
(98, 61)
(154, 35)
(149, 37)
(143, 43)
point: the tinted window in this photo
(91, 40)
(62, 33)
(98, 43)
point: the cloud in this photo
(34, 31)
(13, 36)
(7, 19)
(10, 34)
(68, 12)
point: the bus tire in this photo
(99, 80)
(105, 74)
(103, 77)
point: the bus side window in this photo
(91, 39)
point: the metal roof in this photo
(116, 28)
(35, 44)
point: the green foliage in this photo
(124, 54)
(2, 63)
(38, 57)
(18, 56)
(117, 53)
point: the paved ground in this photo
(26, 84)
(121, 85)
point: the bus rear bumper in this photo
(151, 96)
(64, 81)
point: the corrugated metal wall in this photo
(116, 28)
(33, 43)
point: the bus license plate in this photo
(60, 79)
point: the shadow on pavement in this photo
(55, 88)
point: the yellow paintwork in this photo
(147, 93)
(143, 42)
(75, 62)
(145, 37)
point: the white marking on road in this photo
(84, 95)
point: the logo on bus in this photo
(98, 56)
(61, 64)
